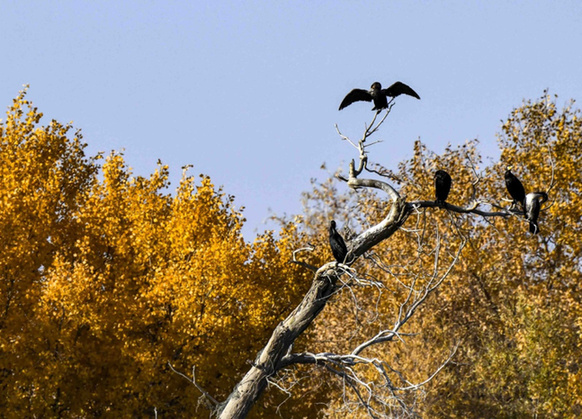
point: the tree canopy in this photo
(511, 304)
(106, 280)
(111, 283)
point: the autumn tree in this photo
(119, 297)
(510, 305)
(521, 354)
(109, 283)
(391, 256)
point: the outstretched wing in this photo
(398, 89)
(355, 96)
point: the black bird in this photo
(338, 246)
(442, 187)
(533, 204)
(515, 188)
(378, 95)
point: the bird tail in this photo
(533, 228)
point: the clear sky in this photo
(247, 91)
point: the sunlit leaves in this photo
(512, 301)
(106, 277)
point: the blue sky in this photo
(247, 92)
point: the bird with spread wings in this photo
(378, 95)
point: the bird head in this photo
(332, 224)
(376, 85)
(543, 196)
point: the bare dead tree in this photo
(278, 353)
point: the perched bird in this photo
(442, 187)
(515, 188)
(378, 95)
(533, 204)
(338, 246)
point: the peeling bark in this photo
(277, 355)
(269, 360)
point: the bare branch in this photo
(415, 386)
(211, 399)
(553, 166)
(469, 210)
(327, 282)
(301, 263)
(477, 178)
(344, 138)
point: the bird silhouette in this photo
(442, 187)
(337, 244)
(533, 205)
(515, 188)
(378, 95)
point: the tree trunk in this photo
(248, 390)
(268, 361)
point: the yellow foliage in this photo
(105, 278)
(512, 301)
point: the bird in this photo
(515, 188)
(337, 244)
(533, 204)
(378, 95)
(442, 187)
